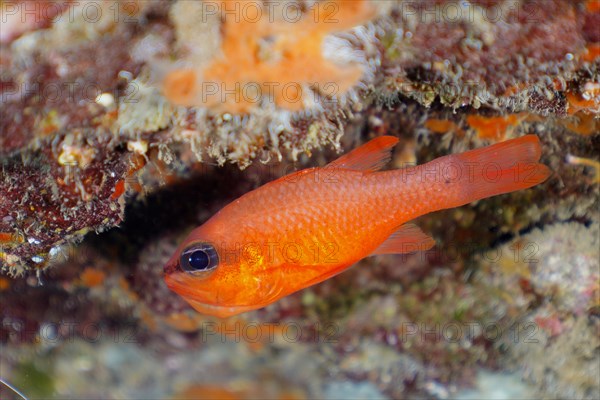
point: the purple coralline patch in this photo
(504, 55)
(43, 203)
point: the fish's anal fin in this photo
(408, 238)
(369, 157)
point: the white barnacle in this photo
(105, 99)
(137, 146)
(54, 251)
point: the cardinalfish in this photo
(310, 225)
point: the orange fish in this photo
(308, 226)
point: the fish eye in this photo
(198, 258)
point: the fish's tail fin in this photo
(503, 168)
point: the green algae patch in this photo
(33, 381)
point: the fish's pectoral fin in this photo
(370, 157)
(407, 239)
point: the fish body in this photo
(308, 226)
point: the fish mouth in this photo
(201, 300)
(219, 311)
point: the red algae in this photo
(208, 392)
(92, 277)
(4, 283)
(593, 6)
(592, 52)
(442, 126)
(577, 103)
(119, 190)
(494, 128)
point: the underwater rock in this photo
(550, 281)
(562, 366)
(558, 265)
(55, 196)
(352, 391)
(497, 386)
(568, 265)
(504, 55)
(90, 140)
(101, 88)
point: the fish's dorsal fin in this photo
(369, 157)
(406, 239)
